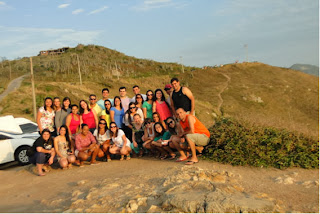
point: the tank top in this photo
(89, 120)
(74, 124)
(163, 110)
(199, 128)
(181, 100)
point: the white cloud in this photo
(154, 4)
(77, 11)
(2, 3)
(98, 10)
(37, 39)
(63, 5)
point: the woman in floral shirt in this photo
(45, 116)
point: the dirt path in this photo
(151, 185)
(222, 90)
(13, 85)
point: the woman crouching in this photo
(64, 148)
(86, 146)
(44, 153)
(121, 144)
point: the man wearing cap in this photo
(181, 97)
(168, 89)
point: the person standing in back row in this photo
(181, 97)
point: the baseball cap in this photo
(167, 86)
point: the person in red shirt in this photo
(196, 134)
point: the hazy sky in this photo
(202, 32)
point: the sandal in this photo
(163, 157)
(173, 157)
(191, 162)
(122, 157)
(128, 157)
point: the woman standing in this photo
(121, 142)
(86, 146)
(147, 105)
(139, 101)
(44, 153)
(117, 112)
(88, 116)
(64, 148)
(73, 121)
(137, 134)
(160, 105)
(45, 116)
(102, 135)
(106, 112)
(161, 141)
(61, 113)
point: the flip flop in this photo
(163, 157)
(181, 159)
(41, 174)
(190, 162)
(172, 157)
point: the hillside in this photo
(305, 68)
(253, 92)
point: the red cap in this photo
(168, 86)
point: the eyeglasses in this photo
(113, 126)
(103, 123)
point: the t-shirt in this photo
(107, 117)
(84, 142)
(40, 142)
(118, 116)
(60, 117)
(149, 109)
(97, 109)
(199, 128)
(101, 103)
(101, 138)
(165, 136)
(118, 141)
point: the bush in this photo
(241, 144)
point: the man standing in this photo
(124, 99)
(195, 133)
(181, 97)
(168, 89)
(105, 96)
(94, 105)
(136, 90)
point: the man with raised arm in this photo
(181, 97)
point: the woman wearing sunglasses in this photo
(105, 114)
(128, 119)
(102, 135)
(139, 101)
(148, 135)
(121, 144)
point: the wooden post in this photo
(10, 70)
(79, 69)
(33, 91)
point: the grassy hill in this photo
(252, 92)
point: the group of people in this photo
(145, 124)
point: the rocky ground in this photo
(150, 185)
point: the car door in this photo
(6, 149)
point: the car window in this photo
(28, 128)
(4, 137)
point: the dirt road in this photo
(136, 185)
(13, 85)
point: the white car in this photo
(16, 136)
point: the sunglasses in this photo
(149, 94)
(171, 122)
(132, 107)
(148, 123)
(103, 123)
(113, 126)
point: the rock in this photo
(195, 178)
(142, 201)
(82, 182)
(154, 209)
(219, 179)
(278, 180)
(288, 180)
(133, 205)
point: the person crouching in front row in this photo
(86, 146)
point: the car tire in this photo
(21, 156)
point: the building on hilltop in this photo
(53, 52)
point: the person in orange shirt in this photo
(196, 134)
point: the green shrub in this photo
(241, 144)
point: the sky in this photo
(192, 32)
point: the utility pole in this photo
(182, 68)
(9, 70)
(79, 69)
(246, 47)
(33, 91)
